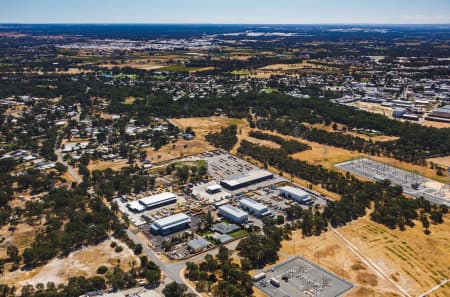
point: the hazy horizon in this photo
(242, 12)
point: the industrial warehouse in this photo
(248, 179)
(295, 194)
(151, 202)
(170, 224)
(253, 207)
(233, 214)
(173, 222)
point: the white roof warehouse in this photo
(170, 224)
(158, 200)
(250, 178)
(233, 214)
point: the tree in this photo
(436, 217)
(152, 273)
(60, 167)
(102, 269)
(176, 290)
(224, 254)
(182, 172)
(138, 249)
(13, 253)
(280, 220)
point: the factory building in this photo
(170, 224)
(158, 200)
(135, 206)
(233, 214)
(253, 207)
(250, 178)
(213, 189)
(295, 194)
(398, 112)
(441, 114)
(198, 245)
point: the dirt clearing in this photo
(204, 126)
(180, 148)
(80, 263)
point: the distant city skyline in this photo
(227, 12)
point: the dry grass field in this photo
(80, 263)
(378, 138)
(435, 124)
(415, 261)
(21, 237)
(266, 143)
(292, 69)
(320, 154)
(329, 252)
(180, 148)
(102, 165)
(373, 107)
(441, 161)
(204, 126)
(412, 260)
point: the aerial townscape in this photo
(190, 157)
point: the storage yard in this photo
(412, 183)
(299, 277)
(237, 194)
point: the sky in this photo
(227, 11)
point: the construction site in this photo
(412, 183)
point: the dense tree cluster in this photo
(108, 182)
(261, 249)
(67, 225)
(402, 149)
(415, 143)
(391, 207)
(220, 276)
(225, 139)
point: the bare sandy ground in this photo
(80, 263)
(441, 161)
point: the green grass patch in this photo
(270, 90)
(159, 77)
(238, 233)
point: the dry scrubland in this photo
(436, 124)
(22, 237)
(83, 262)
(329, 128)
(442, 161)
(178, 149)
(416, 262)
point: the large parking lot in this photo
(222, 165)
(298, 277)
(412, 183)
